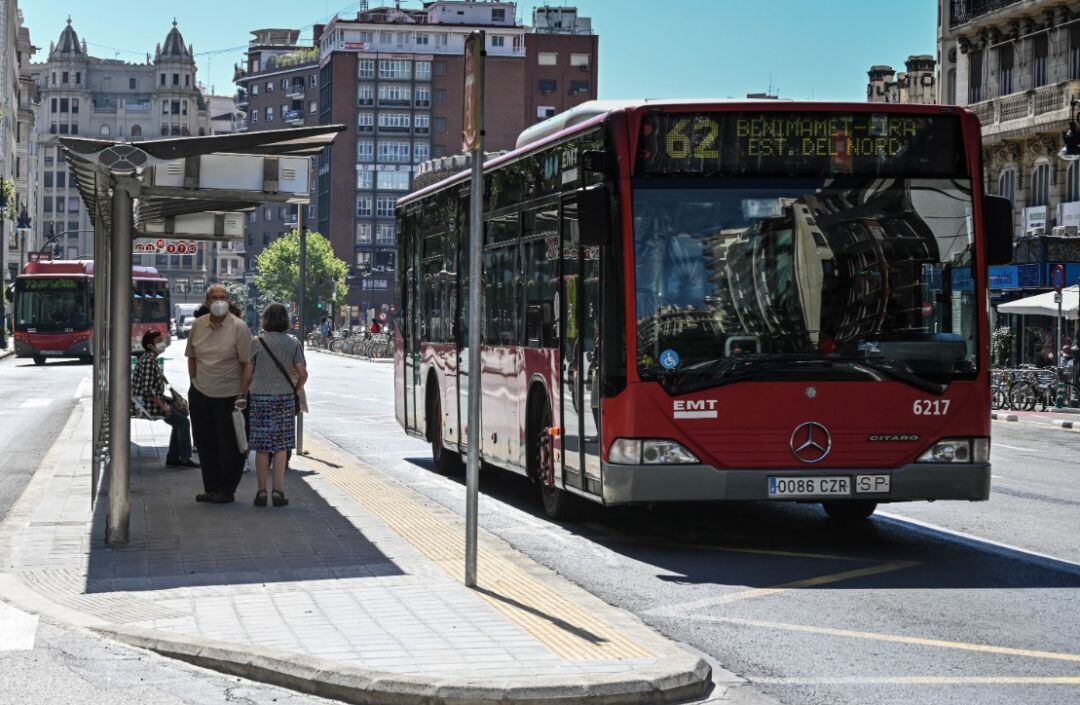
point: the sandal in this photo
(260, 498)
(278, 498)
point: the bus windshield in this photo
(151, 302)
(836, 277)
(52, 304)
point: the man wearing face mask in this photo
(218, 351)
(148, 387)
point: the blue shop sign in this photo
(1006, 277)
(1030, 276)
(962, 280)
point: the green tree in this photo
(238, 294)
(278, 273)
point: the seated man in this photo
(148, 387)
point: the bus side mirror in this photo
(998, 227)
(594, 213)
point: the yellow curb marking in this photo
(923, 680)
(898, 639)
(562, 626)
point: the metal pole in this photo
(301, 302)
(476, 267)
(119, 514)
(3, 285)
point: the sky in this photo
(801, 49)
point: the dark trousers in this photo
(180, 440)
(220, 458)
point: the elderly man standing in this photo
(218, 352)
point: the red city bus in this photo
(715, 301)
(54, 303)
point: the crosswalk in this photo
(18, 629)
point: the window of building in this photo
(547, 85)
(423, 70)
(498, 14)
(440, 124)
(384, 206)
(442, 39)
(394, 122)
(252, 217)
(365, 68)
(363, 205)
(162, 81)
(254, 89)
(393, 152)
(1072, 182)
(579, 87)
(131, 84)
(385, 37)
(394, 94)
(268, 213)
(384, 233)
(105, 131)
(579, 61)
(498, 40)
(284, 85)
(1074, 51)
(395, 68)
(363, 233)
(363, 259)
(78, 78)
(54, 103)
(421, 152)
(313, 80)
(392, 181)
(365, 150)
(74, 105)
(365, 94)
(365, 122)
(440, 96)
(48, 179)
(422, 97)
(183, 107)
(422, 123)
(975, 73)
(440, 68)
(187, 79)
(422, 39)
(269, 114)
(1039, 51)
(269, 86)
(1040, 185)
(61, 179)
(65, 77)
(176, 79)
(313, 106)
(402, 38)
(547, 58)
(1005, 69)
(136, 131)
(545, 111)
(64, 105)
(365, 180)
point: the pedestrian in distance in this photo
(148, 387)
(218, 353)
(272, 382)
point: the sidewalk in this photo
(351, 592)
(1066, 419)
(9, 350)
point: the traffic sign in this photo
(1057, 277)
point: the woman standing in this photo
(277, 373)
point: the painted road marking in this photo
(35, 403)
(920, 680)
(18, 629)
(894, 638)
(83, 389)
(817, 581)
(996, 548)
(1002, 445)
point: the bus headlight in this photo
(958, 450)
(632, 451)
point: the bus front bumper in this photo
(629, 484)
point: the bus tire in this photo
(446, 462)
(856, 510)
(559, 504)
(86, 359)
(39, 359)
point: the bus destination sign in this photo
(48, 284)
(800, 144)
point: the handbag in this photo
(240, 429)
(179, 401)
(296, 395)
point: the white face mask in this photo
(219, 308)
(160, 347)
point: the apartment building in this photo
(917, 84)
(88, 96)
(395, 76)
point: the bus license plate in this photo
(809, 486)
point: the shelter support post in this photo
(99, 348)
(301, 303)
(119, 514)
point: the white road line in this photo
(18, 629)
(83, 389)
(35, 403)
(996, 548)
(1002, 445)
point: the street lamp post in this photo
(3, 272)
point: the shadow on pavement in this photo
(178, 542)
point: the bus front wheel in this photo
(446, 462)
(849, 511)
(39, 359)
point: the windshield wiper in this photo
(893, 370)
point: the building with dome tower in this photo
(112, 99)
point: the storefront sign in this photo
(1007, 277)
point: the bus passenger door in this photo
(462, 319)
(412, 340)
(569, 336)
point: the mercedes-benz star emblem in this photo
(811, 442)
(811, 392)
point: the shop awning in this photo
(1044, 305)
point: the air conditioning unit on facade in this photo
(1066, 230)
(1035, 232)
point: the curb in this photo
(1063, 424)
(995, 416)
(365, 687)
(377, 360)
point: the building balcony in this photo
(394, 129)
(296, 90)
(394, 102)
(293, 117)
(1044, 109)
(132, 106)
(105, 108)
(963, 12)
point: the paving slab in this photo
(354, 591)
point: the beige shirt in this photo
(220, 353)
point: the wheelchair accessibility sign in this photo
(669, 359)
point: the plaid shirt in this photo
(147, 382)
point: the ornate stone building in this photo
(916, 85)
(87, 96)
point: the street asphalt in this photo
(929, 603)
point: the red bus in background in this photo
(54, 309)
(714, 301)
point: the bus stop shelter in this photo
(152, 189)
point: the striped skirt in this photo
(272, 422)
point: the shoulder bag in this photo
(296, 396)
